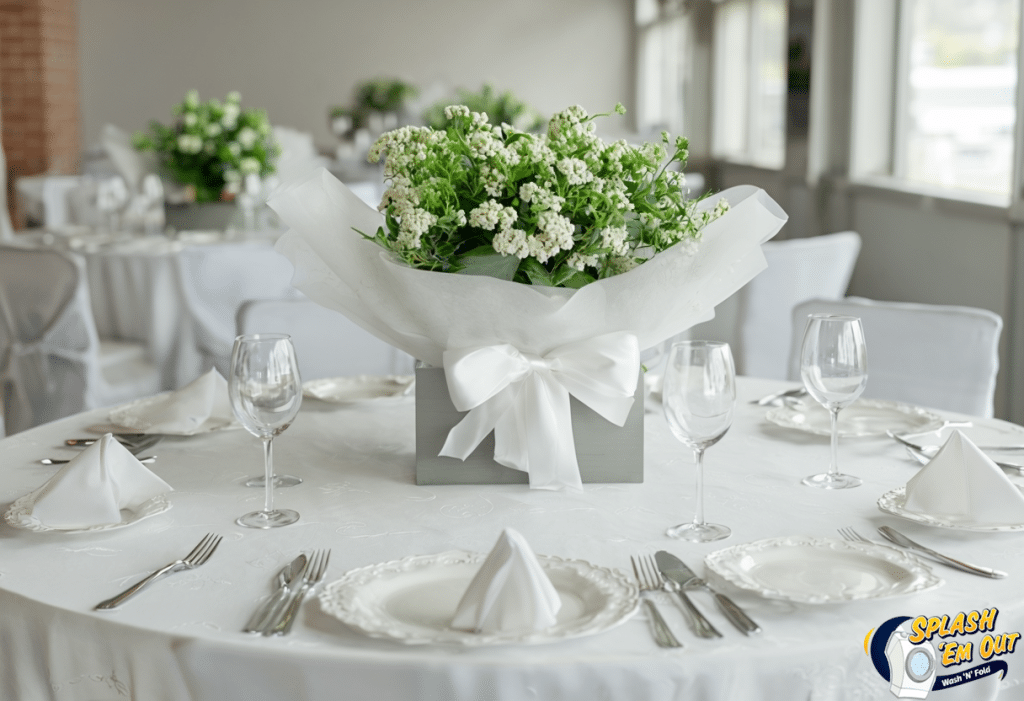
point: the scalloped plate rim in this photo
(330, 601)
(401, 383)
(143, 402)
(151, 507)
(781, 416)
(892, 503)
(924, 581)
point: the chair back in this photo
(6, 230)
(47, 338)
(798, 269)
(327, 343)
(942, 357)
(214, 282)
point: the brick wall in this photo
(39, 100)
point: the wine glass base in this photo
(836, 481)
(268, 519)
(703, 533)
(279, 481)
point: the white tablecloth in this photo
(180, 639)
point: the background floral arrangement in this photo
(505, 108)
(560, 208)
(213, 145)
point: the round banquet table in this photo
(180, 639)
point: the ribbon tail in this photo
(466, 435)
(542, 422)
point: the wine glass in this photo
(266, 394)
(834, 368)
(699, 395)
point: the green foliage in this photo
(380, 95)
(212, 145)
(559, 209)
(505, 108)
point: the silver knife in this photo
(291, 574)
(904, 542)
(676, 570)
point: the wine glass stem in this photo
(698, 516)
(268, 463)
(833, 468)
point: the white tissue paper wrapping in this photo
(510, 592)
(92, 489)
(201, 405)
(432, 315)
(963, 483)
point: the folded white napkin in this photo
(201, 405)
(92, 489)
(510, 592)
(963, 483)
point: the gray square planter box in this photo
(605, 452)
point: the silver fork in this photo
(314, 572)
(200, 554)
(852, 535)
(662, 633)
(701, 626)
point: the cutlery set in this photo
(894, 536)
(666, 572)
(134, 442)
(273, 617)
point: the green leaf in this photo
(580, 279)
(484, 260)
(537, 273)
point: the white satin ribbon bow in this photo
(524, 398)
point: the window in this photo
(956, 93)
(662, 66)
(750, 59)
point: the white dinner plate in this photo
(821, 570)
(865, 417)
(894, 502)
(989, 434)
(125, 418)
(412, 600)
(20, 516)
(359, 388)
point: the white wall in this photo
(296, 58)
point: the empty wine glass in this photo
(834, 368)
(699, 395)
(266, 394)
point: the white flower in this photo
(247, 137)
(248, 165)
(614, 237)
(189, 143)
(580, 262)
(192, 99)
(486, 215)
(575, 171)
(230, 118)
(232, 176)
(453, 111)
(213, 129)
(190, 119)
(235, 148)
(511, 242)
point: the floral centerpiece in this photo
(212, 146)
(614, 259)
(560, 209)
(500, 108)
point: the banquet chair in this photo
(52, 362)
(6, 230)
(327, 343)
(214, 281)
(756, 320)
(936, 356)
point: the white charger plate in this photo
(865, 417)
(412, 600)
(20, 515)
(989, 434)
(894, 502)
(821, 570)
(125, 418)
(359, 388)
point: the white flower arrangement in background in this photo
(213, 145)
(560, 209)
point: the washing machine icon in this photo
(912, 666)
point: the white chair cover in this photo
(756, 320)
(327, 343)
(51, 362)
(943, 357)
(215, 281)
(132, 164)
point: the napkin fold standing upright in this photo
(201, 405)
(92, 489)
(510, 592)
(964, 484)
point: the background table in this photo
(181, 640)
